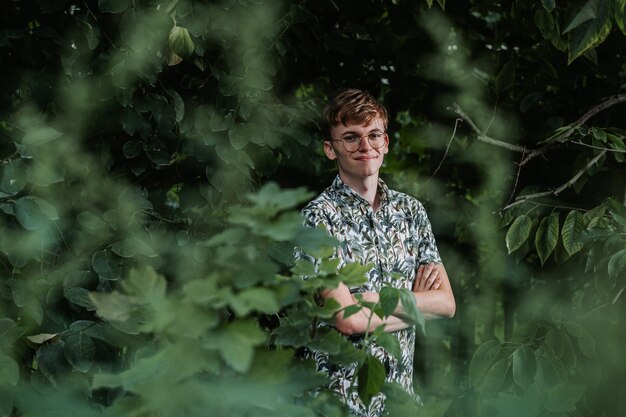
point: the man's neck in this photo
(365, 187)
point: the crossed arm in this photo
(433, 297)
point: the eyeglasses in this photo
(352, 142)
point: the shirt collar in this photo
(344, 192)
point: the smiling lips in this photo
(365, 158)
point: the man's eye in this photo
(376, 136)
(351, 138)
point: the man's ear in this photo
(386, 147)
(329, 150)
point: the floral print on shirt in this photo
(396, 238)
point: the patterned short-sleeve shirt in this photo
(396, 239)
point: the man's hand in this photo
(427, 278)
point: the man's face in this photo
(365, 161)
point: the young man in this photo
(374, 225)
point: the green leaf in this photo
(411, 311)
(351, 310)
(131, 247)
(180, 42)
(573, 229)
(524, 366)
(620, 15)
(429, 3)
(237, 341)
(589, 28)
(132, 149)
(90, 34)
(238, 137)
(79, 296)
(29, 213)
(371, 376)
(518, 233)
(391, 344)
(12, 178)
(586, 13)
(9, 332)
(599, 134)
(482, 360)
(389, 298)
(329, 342)
(255, 299)
(112, 306)
(617, 263)
(51, 360)
(105, 265)
(79, 351)
(9, 371)
(505, 78)
(40, 135)
(113, 6)
(494, 377)
(547, 236)
(563, 398)
(179, 105)
(146, 285)
(549, 5)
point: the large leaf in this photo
(563, 398)
(79, 351)
(407, 299)
(371, 376)
(482, 361)
(236, 344)
(12, 178)
(9, 371)
(518, 233)
(9, 332)
(617, 263)
(391, 344)
(40, 135)
(105, 265)
(29, 213)
(547, 236)
(180, 41)
(389, 298)
(589, 27)
(524, 366)
(572, 232)
(620, 15)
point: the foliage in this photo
(147, 150)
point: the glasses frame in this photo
(369, 141)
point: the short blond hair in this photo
(352, 106)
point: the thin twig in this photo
(577, 142)
(611, 101)
(481, 136)
(524, 198)
(456, 124)
(96, 19)
(619, 294)
(519, 171)
(493, 116)
(579, 173)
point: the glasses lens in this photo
(351, 145)
(377, 140)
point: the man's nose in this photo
(364, 144)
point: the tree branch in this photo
(610, 102)
(481, 136)
(524, 198)
(532, 153)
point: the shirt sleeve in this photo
(427, 247)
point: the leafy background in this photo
(154, 154)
